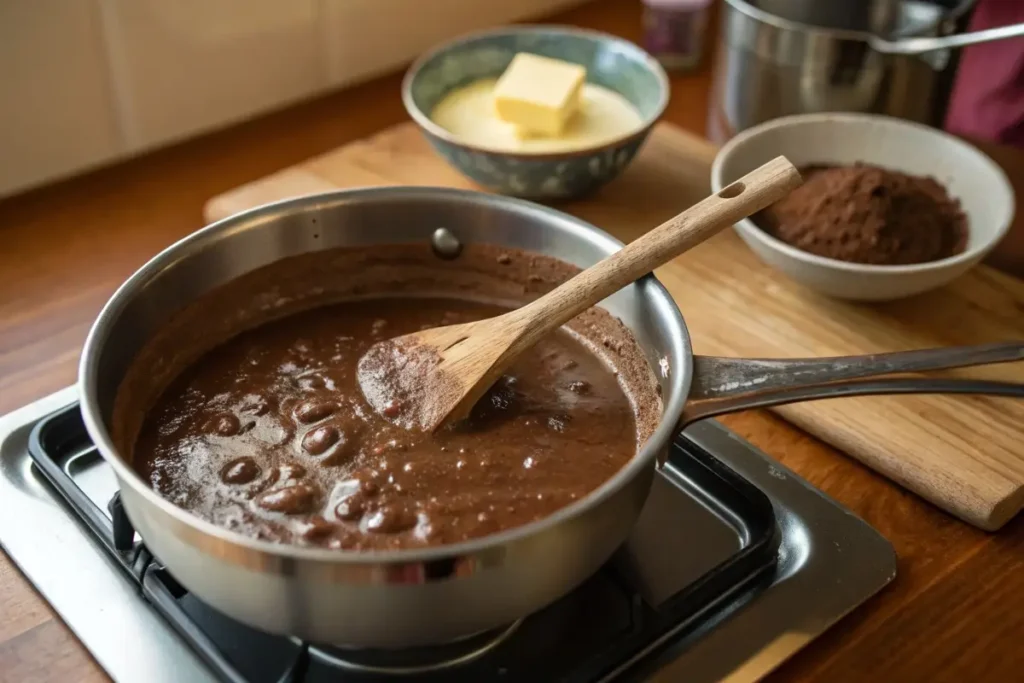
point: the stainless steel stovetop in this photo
(735, 564)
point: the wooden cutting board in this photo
(965, 454)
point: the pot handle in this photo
(924, 45)
(728, 385)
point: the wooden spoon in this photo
(429, 378)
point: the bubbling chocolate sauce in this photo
(269, 435)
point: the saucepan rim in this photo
(679, 377)
(754, 12)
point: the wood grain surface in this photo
(735, 305)
(955, 611)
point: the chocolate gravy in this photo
(268, 433)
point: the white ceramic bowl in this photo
(969, 175)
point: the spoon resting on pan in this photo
(434, 377)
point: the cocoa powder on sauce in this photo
(867, 214)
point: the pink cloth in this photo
(988, 93)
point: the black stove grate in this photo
(602, 629)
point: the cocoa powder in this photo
(867, 214)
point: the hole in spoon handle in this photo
(732, 191)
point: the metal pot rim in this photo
(679, 380)
(820, 32)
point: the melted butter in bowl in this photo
(449, 94)
(603, 115)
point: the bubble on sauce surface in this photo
(240, 471)
(391, 519)
(318, 440)
(350, 509)
(295, 499)
(309, 412)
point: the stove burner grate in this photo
(611, 625)
(418, 660)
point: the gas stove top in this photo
(734, 565)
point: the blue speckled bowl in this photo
(612, 62)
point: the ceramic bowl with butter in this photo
(450, 93)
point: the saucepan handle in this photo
(727, 385)
(926, 44)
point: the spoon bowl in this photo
(432, 377)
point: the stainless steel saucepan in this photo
(409, 598)
(783, 57)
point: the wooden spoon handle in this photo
(751, 193)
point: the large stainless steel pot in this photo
(416, 597)
(782, 57)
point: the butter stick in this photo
(538, 94)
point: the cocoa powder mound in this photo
(867, 214)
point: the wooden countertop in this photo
(955, 612)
